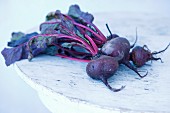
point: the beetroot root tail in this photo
(130, 66)
(112, 89)
(154, 53)
(153, 58)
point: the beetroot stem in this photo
(104, 38)
(64, 36)
(68, 17)
(74, 53)
(82, 41)
(95, 48)
(107, 26)
(97, 35)
(71, 58)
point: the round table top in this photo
(69, 80)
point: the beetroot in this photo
(117, 45)
(141, 55)
(103, 68)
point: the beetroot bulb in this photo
(103, 68)
(116, 45)
(140, 55)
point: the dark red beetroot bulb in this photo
(103, 68)
(141, 55)
(116, 46)
(119, 45)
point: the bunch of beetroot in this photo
(116, 51)
(74, 36)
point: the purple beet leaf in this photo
(19, 38)
(80, 16)
(12, 54)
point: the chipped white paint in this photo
(64, 86)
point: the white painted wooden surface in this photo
(64, 86)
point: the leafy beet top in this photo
(71, 35)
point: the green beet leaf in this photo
(17, 36)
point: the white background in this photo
(21, 15)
